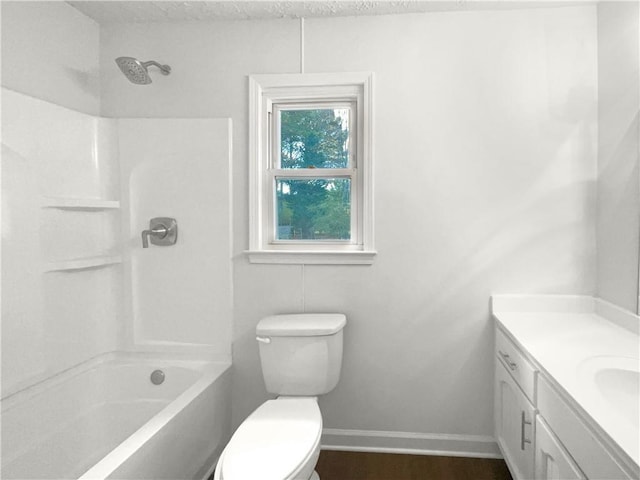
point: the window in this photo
(311, 169)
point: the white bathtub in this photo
(106, 419)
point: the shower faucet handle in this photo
(158, 232)
(162, 231)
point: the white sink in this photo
(620, 388)
(616, 380)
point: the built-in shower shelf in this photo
(74, 203)
(83, 263)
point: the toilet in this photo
(301, 357)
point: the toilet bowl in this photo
(301, 357)
(278, 441)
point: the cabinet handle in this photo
(523, 439)
(505, 357)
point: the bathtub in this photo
(106, 419)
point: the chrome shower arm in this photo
(164, 69)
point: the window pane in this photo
(313, 209)
(317, 138)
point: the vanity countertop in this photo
(594, 360)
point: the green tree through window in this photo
(314, 208)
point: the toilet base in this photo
(314, 476)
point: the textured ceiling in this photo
(105, 12)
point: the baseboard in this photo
(476, 446)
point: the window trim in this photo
(266, 90)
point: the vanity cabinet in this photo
(514, 426)
(539, 431)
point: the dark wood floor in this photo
(390, 466)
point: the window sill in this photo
(306, 257)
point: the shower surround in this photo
(79, 289)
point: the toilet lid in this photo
(274, 440)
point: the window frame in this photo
(269, 94)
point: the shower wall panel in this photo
(58, 307)
(180, 295)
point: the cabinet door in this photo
(553, 462)
(514, 425)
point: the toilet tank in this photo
(301, 354)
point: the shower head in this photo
(137, 72)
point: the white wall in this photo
(50, 51)
(485, 164)
(618, 152)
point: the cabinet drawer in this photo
(518, 366)
(581, 443)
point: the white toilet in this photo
(301, 357)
